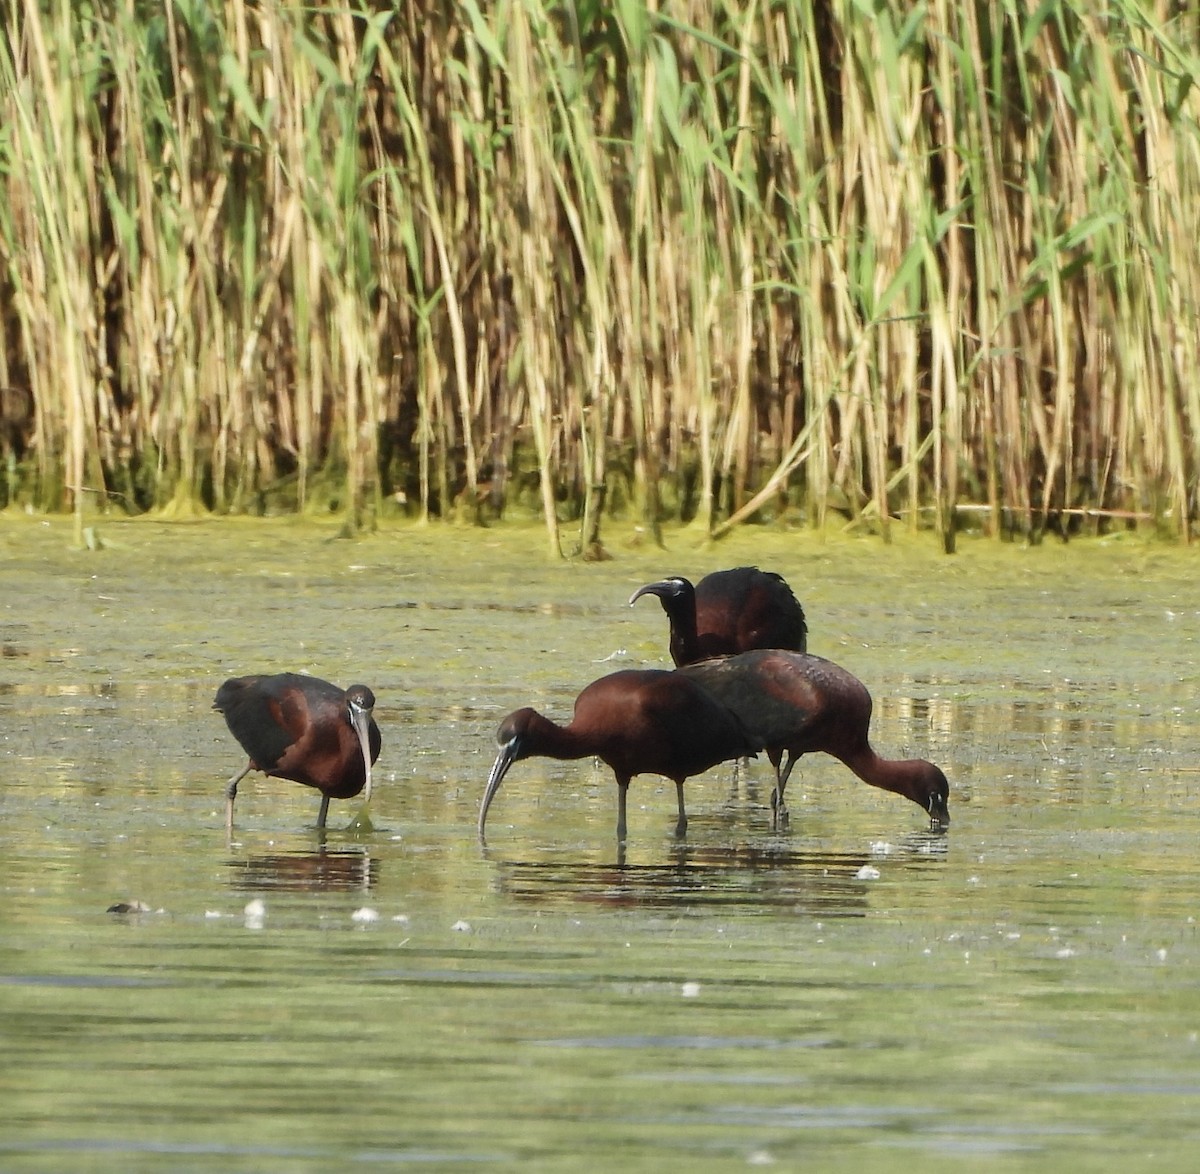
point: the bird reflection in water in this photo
(337, 871)
(737, 876)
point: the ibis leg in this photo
(231, 794)
(779, 813)
(681, 824)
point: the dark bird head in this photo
(668, 591)
(937, 802)
(513, 738)
(360, 701)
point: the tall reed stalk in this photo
(720, 262)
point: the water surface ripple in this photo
(857, 993)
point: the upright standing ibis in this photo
(639, 721)
(792, 703)
(729, 612)
(303, 729)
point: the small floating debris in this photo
(365, 915)
(255, 912)
(461, 926)
(868, 872)
(129, 907)
(402, 918)
(690, 990)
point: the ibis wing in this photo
(258, 717)
(698, 730)
(775, 619)
(769, 716)
(745, 608)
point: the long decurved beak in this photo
(939, 813)
(661, 589)
(360, 719)
(505, 759)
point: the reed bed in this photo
(918, 265)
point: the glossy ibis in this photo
(792, 703)
(303, 729)
(728, 612)
(639, 721)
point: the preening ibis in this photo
(728, 612)
(303, 729)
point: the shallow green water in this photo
(860, 994)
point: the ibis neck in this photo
(682, 616)
(550, 740)
(906, 776)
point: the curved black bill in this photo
(360, 719)
(939, 813)
(664, 589)
(505, 759)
